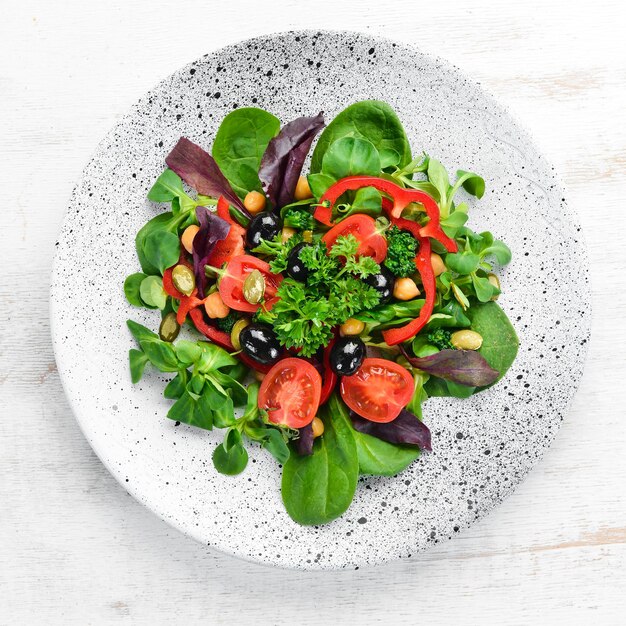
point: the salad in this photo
(323, 309)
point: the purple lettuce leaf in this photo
(212, 229)
(304, 443)
(464, 367)
(405, 429)
(200, 170)
(284, 157)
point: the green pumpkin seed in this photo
(466, 340)
(254, 287)
(169, 329)
(238, 326)
(183, 279)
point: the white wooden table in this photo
(76, 549)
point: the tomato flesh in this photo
(290, 393)
(235, 274)
(228, 248)
(363, 227)
(378, 391)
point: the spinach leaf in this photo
(367, 200)
(240, 142)
(380, 458)
(349, 156)
(132, 285)
(500, 342)
(319, 488)
(319, 183)
(230, 457)
(372, 120)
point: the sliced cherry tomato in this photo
(378, 391)
(235, 273)
(363, 227)
(290, 393)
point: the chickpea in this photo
(439, 267)
(405, 289)
(303, 191)
(254, 202)
(318, 427)
(188, 236)
(259, 375)
(351, 327)
(466, 340)
(215, 307)
(287, 233)
(495, 281)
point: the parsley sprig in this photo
(307, 312)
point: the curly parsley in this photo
(306, 312)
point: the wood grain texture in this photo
(76, 549)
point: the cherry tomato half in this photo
(363, 227)
(378, 391)
(290, 393)
(228, 248)
(235, 273)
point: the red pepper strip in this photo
(401, 198)
(329, 380)
(394, 336)
(187, 304)
(216, 335)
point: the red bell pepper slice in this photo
(216, 335)
(394, 336)
(329, 380)
(400, 197)
(233, 245)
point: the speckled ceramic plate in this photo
(482, 447)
